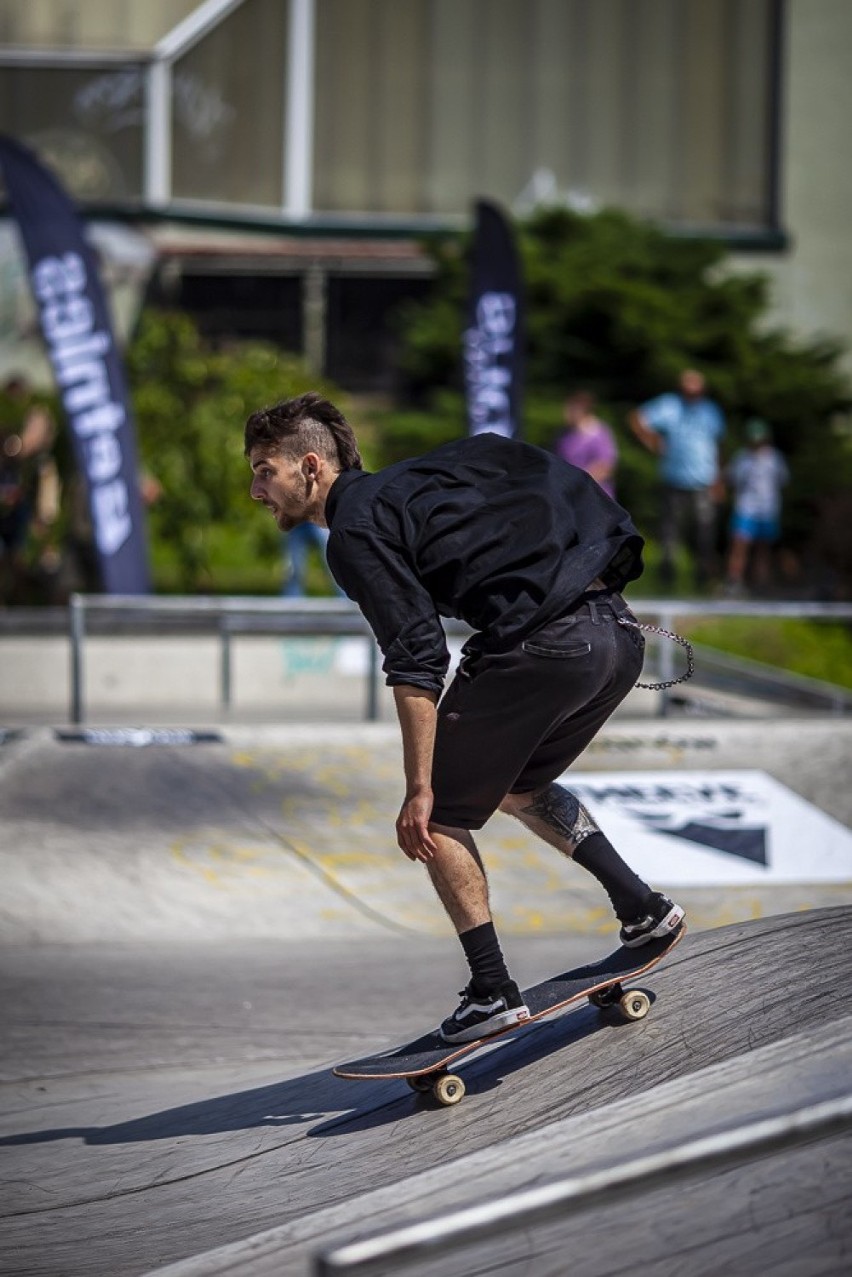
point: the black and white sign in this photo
(715, 828)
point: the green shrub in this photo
(817, 649)
(191, 402)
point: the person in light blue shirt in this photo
(684, 429)
(297, 546)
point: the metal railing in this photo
(224, 617)
(710, 1153)
(229, 617)
(754, 677)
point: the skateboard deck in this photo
(424, 1063)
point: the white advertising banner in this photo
(715, 828)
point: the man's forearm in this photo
(650, 438)
(417, 712)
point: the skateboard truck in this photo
(634, 1004)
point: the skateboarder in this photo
(532, 554)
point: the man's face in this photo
(284, 485)
(691, 384)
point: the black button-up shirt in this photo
(495, 532)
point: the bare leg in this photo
(558, 816)
(459, 878)
(737, 560)
(554, 814)
(762, 564)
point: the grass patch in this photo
(817, 649)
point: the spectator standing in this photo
(756, 476)
(587, 442)
(684, 429)
(28, 482)
(297, 547)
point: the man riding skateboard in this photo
(532, 554)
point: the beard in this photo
(287, 522)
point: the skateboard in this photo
(424, 1063)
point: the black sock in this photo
(484, 957)
(625, 889)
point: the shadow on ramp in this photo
(302, 1100)
(293, 1103)
(484, 1073)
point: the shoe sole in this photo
(670, 923)
(505, 1020)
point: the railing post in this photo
(77, 633)
(667, 668)
(225, 668)
(372, 681)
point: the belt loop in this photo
(593, 611)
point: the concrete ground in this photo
(190, 936)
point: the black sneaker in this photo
(479, 1015)
(662, 917)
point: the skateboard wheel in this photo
(635, 1004)
(422, 1084)
(448, 1089)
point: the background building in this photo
(271, 165)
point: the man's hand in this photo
(412, 827)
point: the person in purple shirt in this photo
(587, 442)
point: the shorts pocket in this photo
(554, 650)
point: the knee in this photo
(513, 804)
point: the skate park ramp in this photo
(192, 937)
(290, 833)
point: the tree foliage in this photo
(191, 402)
(618, 306)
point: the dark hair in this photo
(583, 398)
(307, 423)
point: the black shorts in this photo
(513, 721)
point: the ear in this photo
(311, 465)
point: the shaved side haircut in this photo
(307, 423)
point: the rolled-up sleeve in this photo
(375, 574)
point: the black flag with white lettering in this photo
(494, 336)
(87, 365)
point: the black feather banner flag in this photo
(86, 362)
(494, 336)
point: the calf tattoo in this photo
(563, 812)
